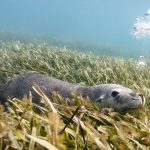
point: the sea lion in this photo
(106, 95)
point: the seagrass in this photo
(79, 124)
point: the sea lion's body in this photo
(113, 95)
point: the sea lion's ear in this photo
(142, 97)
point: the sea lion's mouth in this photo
(129, 109)
(133, 108)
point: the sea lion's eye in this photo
(114, 93)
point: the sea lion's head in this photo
(119, 98)
(122, 100)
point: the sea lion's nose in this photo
(142, 99)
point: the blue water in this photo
(102, 22)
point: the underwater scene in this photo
(74, 75)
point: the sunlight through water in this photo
(141, 28)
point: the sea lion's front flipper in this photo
(99, 99)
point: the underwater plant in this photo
(79, 124)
